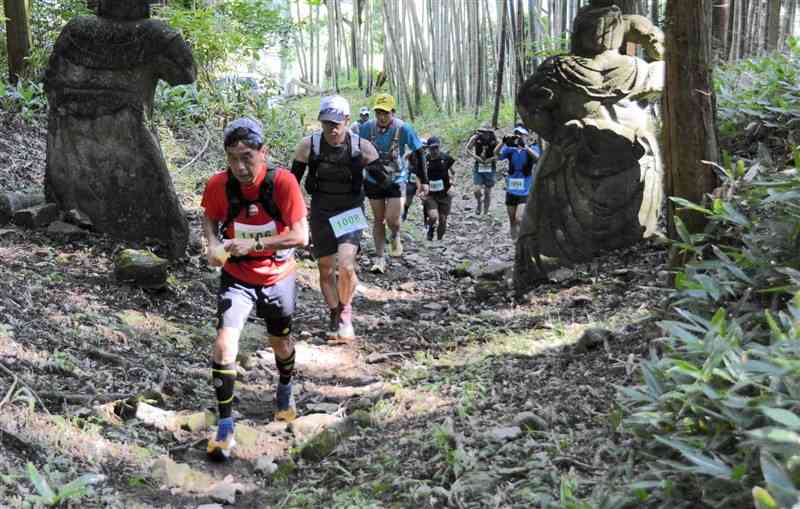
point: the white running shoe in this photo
(379, 266)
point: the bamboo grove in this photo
(469, 54)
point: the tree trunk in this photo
(773, 24)
(788, 22)
(18, 37)
(690, 138)
(501, 41)
(720, 21)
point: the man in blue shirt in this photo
(521, 159)
(391, 136)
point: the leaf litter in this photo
(462, 395)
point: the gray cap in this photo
(334, 108)
(254, 126)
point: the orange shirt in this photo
(289, 200)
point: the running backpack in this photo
(312, 184)
(233, 192)
(485, 143)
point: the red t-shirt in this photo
(288, 198)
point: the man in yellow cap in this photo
(391, 136)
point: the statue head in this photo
(124, 10)
(597, 28)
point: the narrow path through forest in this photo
(453, 394)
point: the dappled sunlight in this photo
(10, 348)
(57, 434)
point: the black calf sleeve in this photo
(224, 376)
(285, 368)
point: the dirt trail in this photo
(79, 340)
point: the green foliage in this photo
(50, 497)
(760, 97)
(547, 47)
(716, 411)
(192, 106)
(26, 99)
(227, 31)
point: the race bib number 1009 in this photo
(348, 222)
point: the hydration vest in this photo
(236, 201)
(325, 173)
(391, 156)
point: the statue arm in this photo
(641, 30)
(177, 66)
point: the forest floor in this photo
(454, 394)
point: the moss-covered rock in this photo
(141, 268)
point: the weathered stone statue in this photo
(101, 156)
(598, 185)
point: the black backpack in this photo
(485, 139)
(233, 192)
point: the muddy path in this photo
(453, 394)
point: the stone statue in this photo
(598, 185)
(102, 158)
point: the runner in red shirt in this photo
(263, 218)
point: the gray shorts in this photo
(274, 303)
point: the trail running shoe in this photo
(333, 325)
(284, 400)
(395, 245)
(221, 446)
(346, 331)
(379, 265)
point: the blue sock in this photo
(224, 428)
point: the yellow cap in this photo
(384, 102)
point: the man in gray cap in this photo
(363, 118)
(336, 159)
(260, 215)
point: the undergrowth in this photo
(715, 418)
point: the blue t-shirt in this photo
(383, 141)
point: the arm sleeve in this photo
(289, 198)
(298, 169)
(421, 169)
(505, 152)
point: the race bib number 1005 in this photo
(349, 221)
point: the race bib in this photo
(349, 221)
(516, 184)
(254, 231)
(436, 185)
(412, 178)
(485, 168)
